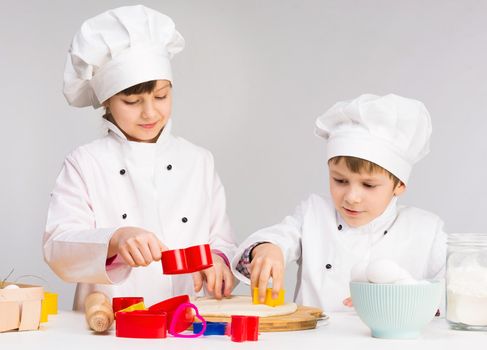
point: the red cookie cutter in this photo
(178, 261)
(141, 324)
(120, 303)
(245, 328)
(169, 306)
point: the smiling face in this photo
(362, 196)
(142, 116)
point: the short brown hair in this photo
(357, 165)
(142, 88)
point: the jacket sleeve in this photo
(286, 235)
(437, 260)
(221, 234)
(75, 249)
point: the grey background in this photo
(252, 79)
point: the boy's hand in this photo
(219, 278)
(137, 246)
(348, 302)
(267, 262)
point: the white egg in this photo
(11, 286)
(358, 273)
(386, 271)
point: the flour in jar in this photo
(467, 293)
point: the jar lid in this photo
(467, 238)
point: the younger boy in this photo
(372, 143)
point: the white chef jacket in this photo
(169, 188)
(326, 248)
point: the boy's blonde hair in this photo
(357, 165)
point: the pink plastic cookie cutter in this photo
(183, 310)
(244, 328)
(179, 261)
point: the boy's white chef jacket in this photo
(169, 188)
(326, 248)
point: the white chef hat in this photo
(118, 49)
(390, 131)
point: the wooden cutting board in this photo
(304, 317)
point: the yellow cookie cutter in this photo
(138, 306)
(268, 297)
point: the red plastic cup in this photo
(245, 328)
(141, 324)
(120, 303)
(169, 306)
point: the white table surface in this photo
(68, 330)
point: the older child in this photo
(372, 143)
(120, 200)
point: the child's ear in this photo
(400, 188)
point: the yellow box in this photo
(49, 305)
(268, 297)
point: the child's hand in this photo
(267, 262)
(137, 246)
(219, 278)
(348, 302)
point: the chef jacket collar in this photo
(377, 226)
(163, 137)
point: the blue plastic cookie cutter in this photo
(212, 328)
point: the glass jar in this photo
(466, 281)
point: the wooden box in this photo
(20, 308)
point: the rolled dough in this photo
(240, 305)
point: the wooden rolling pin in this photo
(98, 312)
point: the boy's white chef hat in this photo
(116, 50)
(390, 131)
